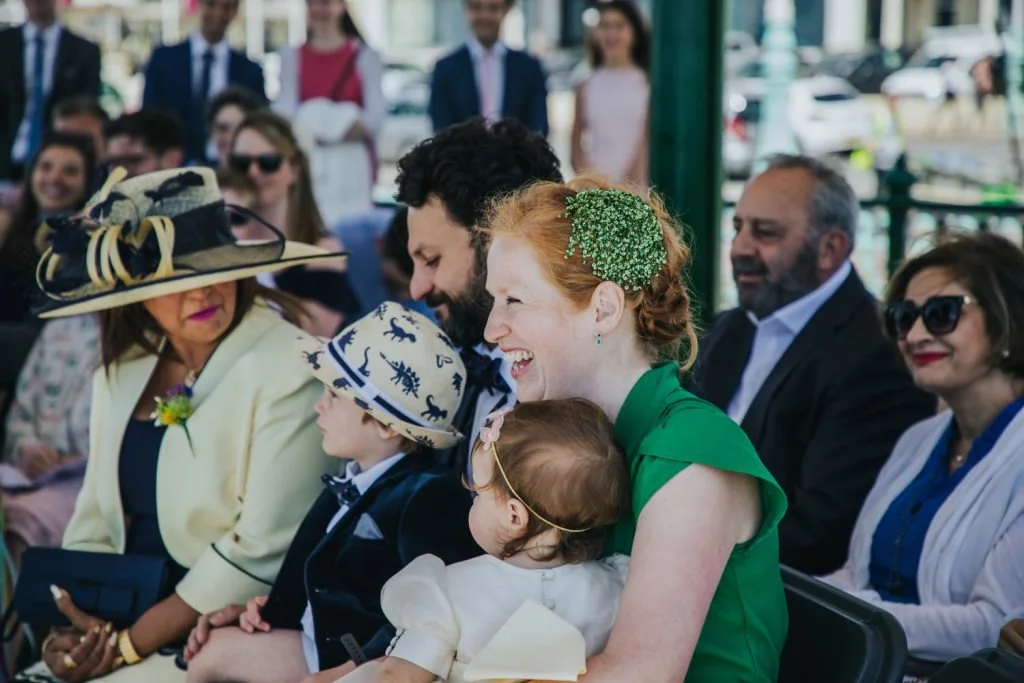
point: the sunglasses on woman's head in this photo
(940, 315)
(267, 163)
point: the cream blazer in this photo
(229, 505)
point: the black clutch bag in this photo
(115, 588)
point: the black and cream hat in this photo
(156, 234)
(399, 367)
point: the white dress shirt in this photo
(774, 335)
(489, 68)
(488, 401)
(363, 481)
(51, 41)
(218, 72)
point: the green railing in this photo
(891, 229)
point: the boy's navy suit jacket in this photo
(415, 508)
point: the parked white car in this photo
(827, 116)
(740, 49)
(407, 91)
(942, 65)
(931, 78)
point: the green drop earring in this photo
(598, 338)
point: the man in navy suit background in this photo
(182, 78)
(486, 78)
(42, 63)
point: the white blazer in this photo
(229, 505)
(971, 574)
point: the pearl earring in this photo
(1006, 353)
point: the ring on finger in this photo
(68, 661)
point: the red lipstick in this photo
(923, 359)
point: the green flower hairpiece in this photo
(619, 234)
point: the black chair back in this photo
(836, 637)
(986, 666)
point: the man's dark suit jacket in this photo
(454, 96)
(169, 87)
(826, 418)
(415, 508)
(76, 73)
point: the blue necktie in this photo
(204, 81)
(203, 96)
(35, 131)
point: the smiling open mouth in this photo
(520, 362)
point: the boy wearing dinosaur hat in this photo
(392, 385)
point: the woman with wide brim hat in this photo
(203, 445)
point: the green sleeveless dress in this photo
(662, 429)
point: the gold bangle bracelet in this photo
(46, 642)
(126, 649)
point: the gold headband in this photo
(497, 461)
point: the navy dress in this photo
(140, 451)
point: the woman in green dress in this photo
(590, 300)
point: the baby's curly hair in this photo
(470, 164)
(561, 460)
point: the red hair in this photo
(664, 315)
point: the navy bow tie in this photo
(484, 371)
(345, 490)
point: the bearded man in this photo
(802, 364)
(448, 183)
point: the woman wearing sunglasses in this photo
(940, 537)
(266, 150)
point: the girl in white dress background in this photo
(549, 479)
(610, 131)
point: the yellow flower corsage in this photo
(174, 408)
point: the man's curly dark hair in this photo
(469, 164)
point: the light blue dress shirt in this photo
(773, 336)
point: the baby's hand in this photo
(251, 621)
(207, 622)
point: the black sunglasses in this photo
(267, 163)
(940, 315)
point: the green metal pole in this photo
(686, 130)
(1014, 56)
(899, 181)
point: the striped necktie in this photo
(38, 103)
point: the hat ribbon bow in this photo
(105, 260)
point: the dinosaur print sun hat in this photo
(399, 367)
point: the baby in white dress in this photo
(548, 479)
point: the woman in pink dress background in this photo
(609, 135)
(332, 92)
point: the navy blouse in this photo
(899, 539)
(140, 451)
